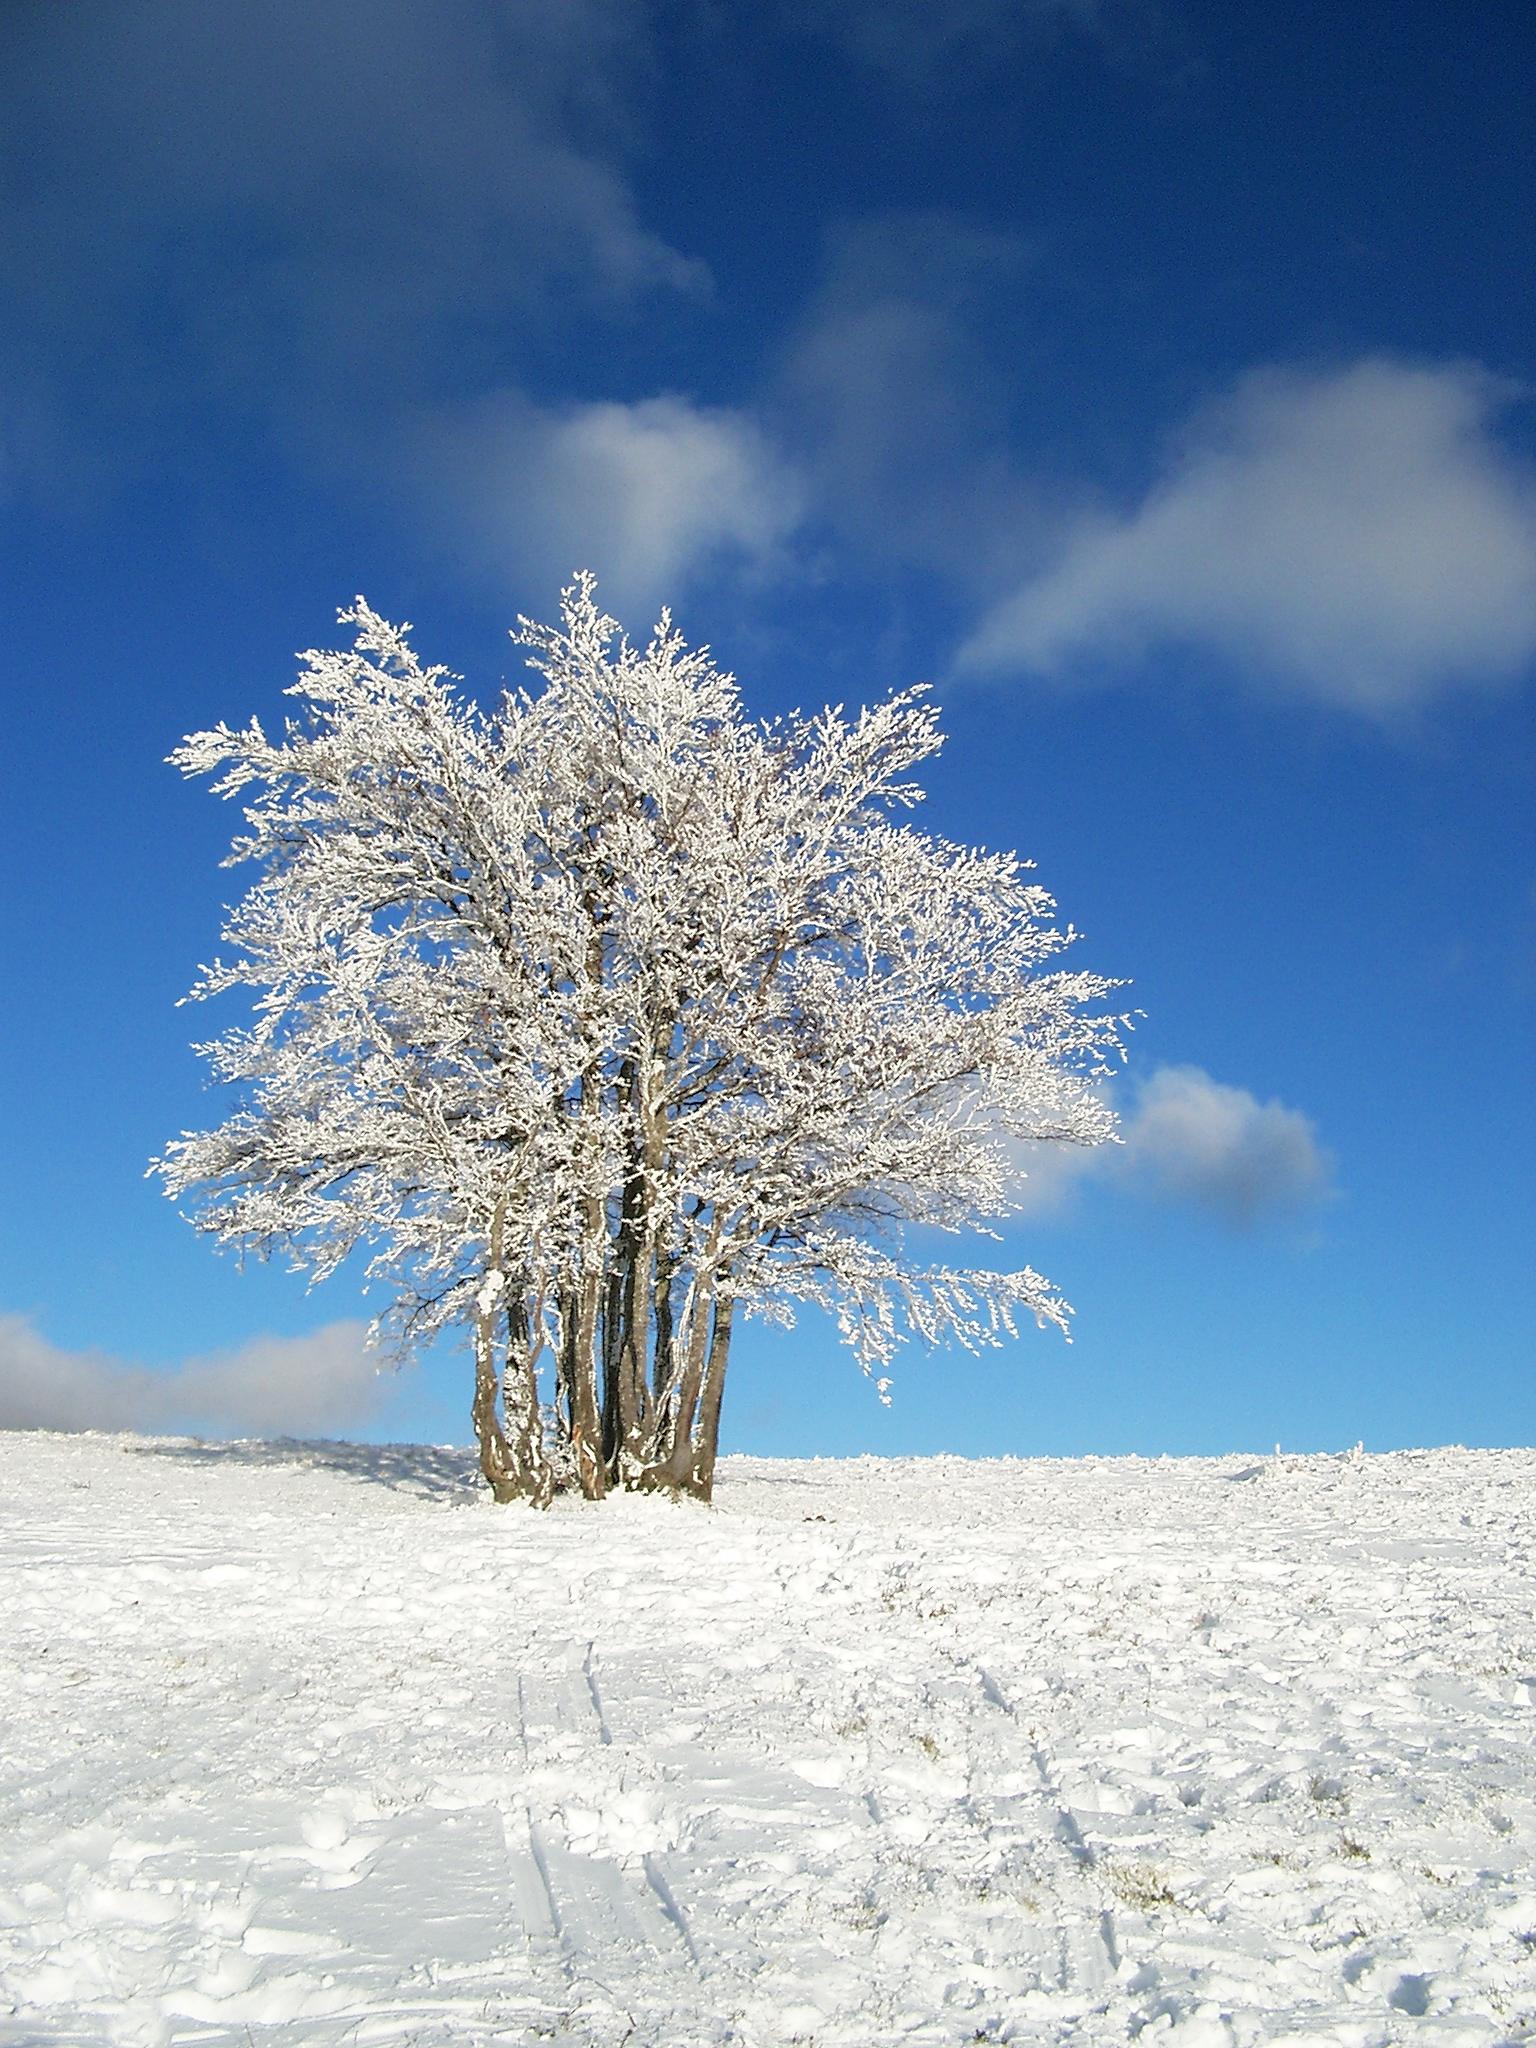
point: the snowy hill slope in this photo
(313, 1745)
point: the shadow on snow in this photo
(430, 1471)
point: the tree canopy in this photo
(599, 1015)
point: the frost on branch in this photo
(596, 1016)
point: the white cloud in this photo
(648, 494)
(290, 1386)
(1193, 1140)
(1219, 1147)
(1357, 535)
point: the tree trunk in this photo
(497, 1463)
(513, 1470)
(661, 1364)
(707, 1436)
(640, 1302)
(674, 1467)
(585, 1412)
(583, 1329)
(520, 1403)
(633, 1397)
(613, 1341)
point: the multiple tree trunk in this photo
(639, 1361)
(633, 1324)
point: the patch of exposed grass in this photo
(1141, 1886)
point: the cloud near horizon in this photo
(1194, 1140)
(286, 1386)
(1357, 536)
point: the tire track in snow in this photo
(593, 1890)
(654, 1875)
(532, 1893)
(605, 1733)
(1090, 1950)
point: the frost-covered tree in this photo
(600, 1016)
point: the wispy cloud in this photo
(1197, 1142)
(917, 43)
(890, 400)
(290, 1386)
(650, 493)
(300, 216)
(1359, 536)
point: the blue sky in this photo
(1156, 377)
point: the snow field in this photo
(314, 1745)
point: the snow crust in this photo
(312, 1744)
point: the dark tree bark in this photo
(708, 1434)
(585, 1414)
(612, 1341)
(661, 1364)
(520, 1402)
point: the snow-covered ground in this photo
(312, 1744)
